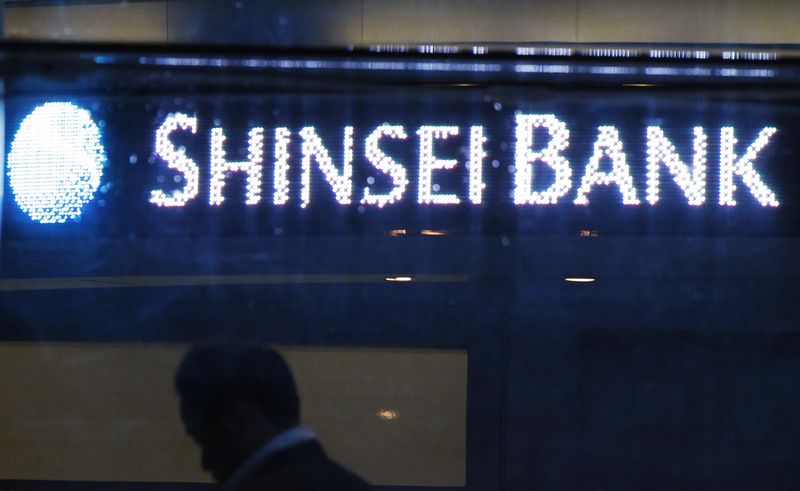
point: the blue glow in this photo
(56, 162)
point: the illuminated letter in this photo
(476, 156)
(428, 163)
(385, 164)
(176, 159)
(313, 149)
(525, 157)
(608, 144)
(221, 167)
(660, 149)
(728, 166)
(281, 177)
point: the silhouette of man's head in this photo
(234, 397)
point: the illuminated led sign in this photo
(661, 153)
(56, 163)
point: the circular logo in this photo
(56, 162)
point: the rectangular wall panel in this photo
(451, 21)
(108, 412)
(117, 22)
(346, 22)
(296, 23)
(689, 21)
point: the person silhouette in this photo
(239, 403)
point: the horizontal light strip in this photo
(400, 279)
(31, 284)
(579, 280)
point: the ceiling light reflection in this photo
(574, 279)
(399, 279)
(387, 414)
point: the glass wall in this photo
(488, 266)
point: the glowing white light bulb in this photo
(608, 144)
(661, 150)
(525, 157)
(313, 150)
(56, 162)
(743, 167)
(476, 156)
(176, 159)
(385, 164)
(428, 163)
(220, 167)
(281, 176)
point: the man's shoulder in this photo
(305, 468)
